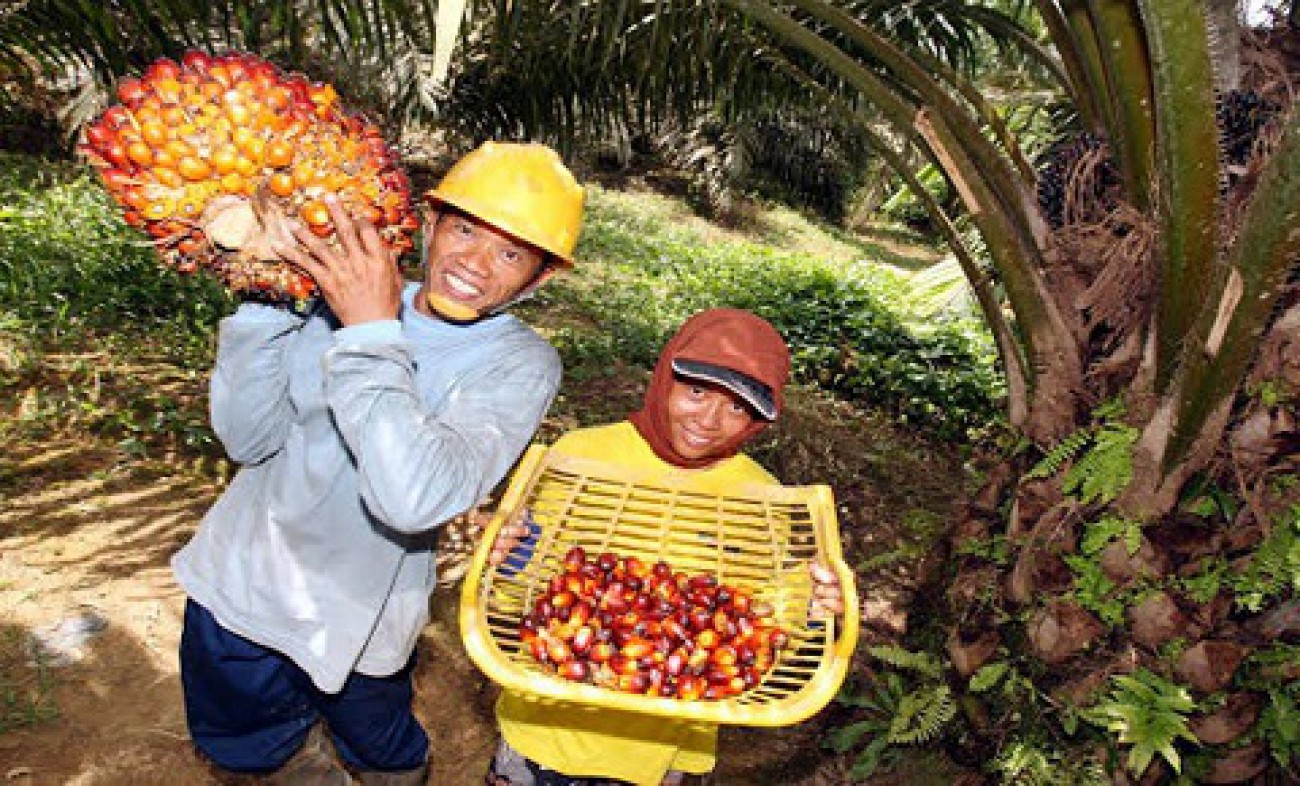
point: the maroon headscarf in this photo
(726, 337)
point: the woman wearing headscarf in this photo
(717, 384)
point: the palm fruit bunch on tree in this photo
(215, 155)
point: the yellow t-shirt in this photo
(596, 742)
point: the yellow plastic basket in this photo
(758, 538)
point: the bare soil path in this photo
(84, 549)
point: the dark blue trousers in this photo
(249, 708)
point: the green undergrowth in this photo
(70, 268)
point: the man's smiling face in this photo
(475, 265)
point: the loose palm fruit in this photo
(220, 151)
(620, 624)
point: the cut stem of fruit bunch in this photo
(213, 156)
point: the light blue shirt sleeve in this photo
(249, 390)
(380, 331)
(417, 469)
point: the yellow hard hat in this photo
(524, 189)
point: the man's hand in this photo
(828, 595)
(359, 279)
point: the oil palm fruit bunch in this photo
(1242, 116)
(214, 155)
(634, 627)
(1080, 156)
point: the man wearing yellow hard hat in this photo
(359, 429)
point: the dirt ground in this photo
(85, 540)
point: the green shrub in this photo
(68, 260)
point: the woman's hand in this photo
(828, 595)
(358, 276)
(509, 537)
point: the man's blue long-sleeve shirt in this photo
(355, 444)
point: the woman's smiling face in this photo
(704, 418)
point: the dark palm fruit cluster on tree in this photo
(1242, 116)
(1068, 159)
(214, 155)
(634, 627)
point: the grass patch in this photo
(26, 689)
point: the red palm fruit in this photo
(674, 630)
(574, 558)
(619, 664)
(636, 567)
(574, 670)
(636, 647)
(761, 609)
(163, 68)
(140, 153)
(558, 651)
(583, 640)
(99, 137)
(724, 596)
(118, 181)
(697, 660)
(724, 656)
(581, 612)
(676, 662)
(601, 652)
(690, 688)
(196, 62)
(654, 678)
(703, 581)
(613, 599)
(537, 647)
(607, 561)
(707, 639)
(115, 117)
(131, 91)
(778, 639)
